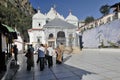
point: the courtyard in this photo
(89, 64)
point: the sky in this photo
(80, 8)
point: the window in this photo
(39, 39)
(51, 36)
(61, 34)
(47, 21)
(39, 24)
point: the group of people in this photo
(45, 56)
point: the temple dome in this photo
(39, 15)
(71, 17)
(53, 14)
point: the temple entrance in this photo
(51, 40)
(61, 38)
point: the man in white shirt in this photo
(50, 53)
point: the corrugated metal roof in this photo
(59, 23)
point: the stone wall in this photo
(106, 34)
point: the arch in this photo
(50, 35)
(61, 37)
(39, 24)
(61, 34)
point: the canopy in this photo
(10, 31)
(8, 28)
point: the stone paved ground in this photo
(89, 64)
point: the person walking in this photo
(41, 55)
(58, 55)
(49, 54)
(61, 47)
(15, 51)
(30, 57)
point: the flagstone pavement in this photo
(89, 64)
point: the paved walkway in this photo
(88, 65)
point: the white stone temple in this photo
(52, 28)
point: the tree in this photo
(14, 17)
(105, 9)
(89, 19)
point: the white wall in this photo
(109, 32)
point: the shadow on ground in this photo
(57, 72)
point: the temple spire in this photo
(54, 7)
(70, 12)
(38, 9)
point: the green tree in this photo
(105, 9)
(89, 19)
(14, 17)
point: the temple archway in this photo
(61, 37)
(51, 40)
(50, 36)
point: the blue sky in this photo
(79, 8)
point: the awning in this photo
(8, 28)
(11, 31)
